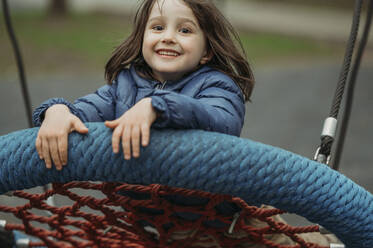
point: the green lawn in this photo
(332, 4)
(84, 43)
(269, 48)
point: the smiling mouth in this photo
(168, 53)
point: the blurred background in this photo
(295, 48)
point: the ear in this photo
(206, 58)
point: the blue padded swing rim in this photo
(208, 161)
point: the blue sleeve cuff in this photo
(161, 107)
(39, 112)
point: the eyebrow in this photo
(182, 19)
(187, 20)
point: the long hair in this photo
(222, 42)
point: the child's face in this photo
(174, 44)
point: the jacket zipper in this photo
(161, 86)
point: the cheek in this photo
(146, 41)
(196, 45)
(148, 46)
(203, 46)
(198, 49)
(150, 39)
(143, 47)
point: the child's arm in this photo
(96, 107)
(218, 107)
(51, 141)
(58, 117)
(132, 126)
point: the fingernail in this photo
(126, 157)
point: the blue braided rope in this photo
(218, 163)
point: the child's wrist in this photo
(155, 113)
(57, 108)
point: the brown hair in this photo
(222, 42)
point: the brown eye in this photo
(185, 30)
(157, 28)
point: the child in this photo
(179, 68)
(183, 66)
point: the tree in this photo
(220, 4)
(57, 8)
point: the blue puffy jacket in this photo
(205, 99)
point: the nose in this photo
(168, 36)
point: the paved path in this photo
(317, 23)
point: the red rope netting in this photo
(119, 220)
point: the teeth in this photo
(168, 53)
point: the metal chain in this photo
(351, 87)
(330, 126)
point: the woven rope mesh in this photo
(146, 216)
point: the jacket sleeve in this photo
(95, 107)
(215, 108)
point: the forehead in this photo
(169, 8)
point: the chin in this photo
(170, 71)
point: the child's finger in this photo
(53, 150)
(38, 146)
(62, 148)
(126, 142)
(46, 156)
(145, 134)
(115, 138)
(79, 126)
(111, 124)
(135, 141)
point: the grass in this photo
(268, 48)
(320, 4)
(83, 43)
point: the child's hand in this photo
(51, 142)
(131, 126)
